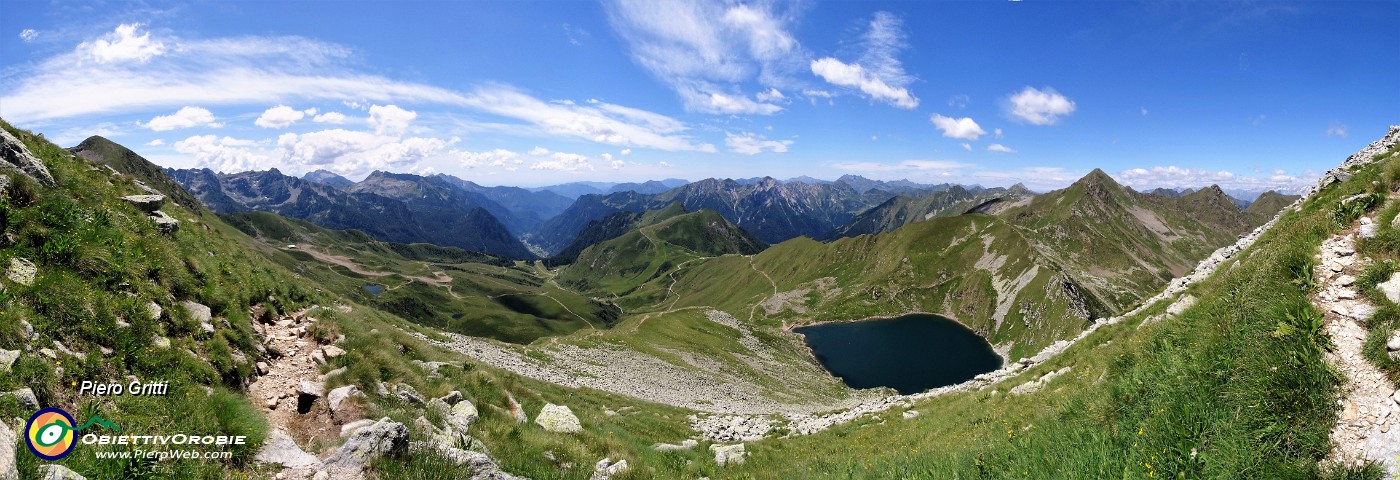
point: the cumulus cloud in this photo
(704, 48)
(748, 143)
(225, 154)
(772, 95)
(155, 143)
(1172, 176)
(626, 152)
(353, 152)
(878, 73)
(1338, 130)
(997, 133)
(329, 117)
(280, 116)
(492, 158)
(187, 117)
(563, 162)
(997, 147)
(390, 119)
(964, 128)
(122, 44)
(1039, 107)
(597, 121)
(28, 35)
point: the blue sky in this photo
(1250, 95)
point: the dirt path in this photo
(294, 355)
(1368, 428)
(438, 279)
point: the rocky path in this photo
(1368, 428)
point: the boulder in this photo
(1368, 228)
(154, 309)
(355, 426)
(198, 312)
(15, 155)
(478, 466)
(8, 469)
(147, 203)
(1394, 343)
(166, 223)
(58, 472)
(462, 415)
(728, 454)
(452, 397)
(558, 419)
(22, 271)
(1181, 305)
(160, 342)
(339, 395)
(332, 351)
(386, 438)
(439, 406)
(668, 447)
(605, 469)
(307, 393)
(25, 397)
(7, 359)
(1391, 288)
(279, 448)
(408, 394)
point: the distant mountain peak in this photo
(327, 177)
(1098, 178)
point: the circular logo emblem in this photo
(49, 434)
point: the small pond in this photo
(374, 288)
(910, 354)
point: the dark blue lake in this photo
(910, 354)
(374, 288)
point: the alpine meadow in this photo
(699, 239)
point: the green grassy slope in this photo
(442, 287)
(1121, 245)
(663, 240)
(1235, 387)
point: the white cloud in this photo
(997, 147)
(279, 116)
(563, 162)
(121, 45)
(616, 164)
(187, 117)
(354, 152)
(539, 151)
(598, 122)
(967, 146)
(28, 35)
(751, 143)
(390, 119)
(904, 166)
(607, 157)
(1039, 107)
(702, 99)
(964, 128)
(959, 101)
(329, 117)
(626, 152)
(997, 132)
(1143, 110)
(492, 158)
(703, 48)
(877, 73)
(155, 143)
(225, 154)
(772, 95)
(1338, 130)
(1178, 177)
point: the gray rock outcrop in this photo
(22, 271)
(147, 203)
(478, 465)
(58, 472)
(279, 448)
(16, 156)
(558, 419)
(8, 469)
(728, 454)
(386, 438)
(7, 359)
(339, 395)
